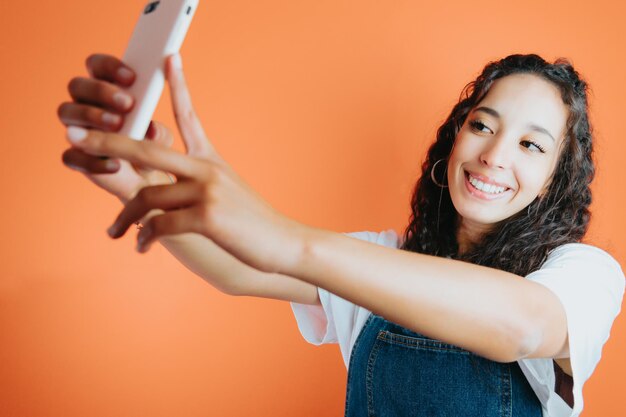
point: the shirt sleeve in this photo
(337, 320)
(590, 285)
(318, 323)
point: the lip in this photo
(487, 179)
(482, 195)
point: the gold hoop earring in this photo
(432, 174)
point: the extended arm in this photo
(493, 313)
(228, 274)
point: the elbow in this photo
(225, 288)
(513, 343)
(232, 290)
(529, 340)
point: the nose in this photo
(497, 152)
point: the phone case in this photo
(159, 32)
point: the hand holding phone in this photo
(95, 106)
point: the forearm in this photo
(228, 274)
(207, 260)
(481, 309)
(204, 258)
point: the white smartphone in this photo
(159, 32)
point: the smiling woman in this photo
(503, 144)
(491, 307)
(516, 152)
(522, 124)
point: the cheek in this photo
(532, 178)
(463, 150)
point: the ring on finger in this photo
(138, 223)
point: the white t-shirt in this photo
(587, 280)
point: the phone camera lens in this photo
(151, 7)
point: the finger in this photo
(159, 133)
(196, 142)
(100, 93)
(78, 160)
(164, 197)
(89, 116)
(109, 68)
(142, 153)
(171, 223)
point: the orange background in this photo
(326, 108)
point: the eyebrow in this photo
(532, 126)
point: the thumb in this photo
(159, 133)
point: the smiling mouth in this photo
(485, 192)
(484, 186)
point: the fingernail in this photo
(111, 165)
(76, 134)
(124, 73)
(112, 231)
(110, 118)
(123, 100)
(150, 133)
(141, 248)
(177, 62)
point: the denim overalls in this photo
(396, 372)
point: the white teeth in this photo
(487, 188)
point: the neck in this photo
(469, 233)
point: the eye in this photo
(479, 126)
(535, 144)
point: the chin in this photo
(478, 208)
(479, 212)
(481, 216)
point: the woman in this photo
(492, 307)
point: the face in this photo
(506, 151)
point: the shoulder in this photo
(581, 254)
(586, 250)
(582, 259)
(583, 270)
(583, 276)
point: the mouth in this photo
(485, 192)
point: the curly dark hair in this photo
(520, 243)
